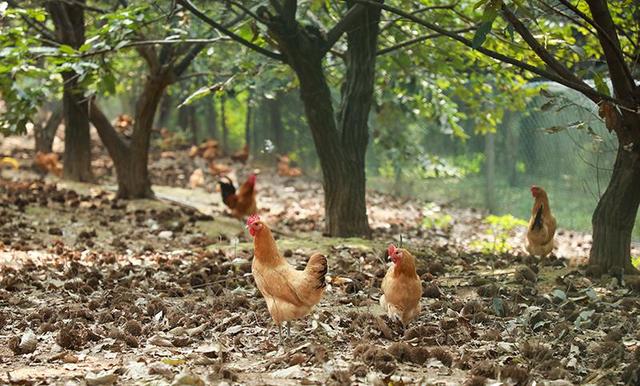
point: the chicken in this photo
(243, 202)
(290, 294)
(48, 163)
(241, 156)
(196, 179)
(401, 287)
(542, 225)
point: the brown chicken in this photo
(48, 163)
(290, 294)
(401, 287)
(542, 225)
(241, 156)
(243, 202)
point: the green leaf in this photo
(66, 49)
(481, 34)
(199, 94)
(601, 84)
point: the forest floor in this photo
(95, 290)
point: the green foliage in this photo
(435, 219)
(500, 228)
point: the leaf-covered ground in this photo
(97, 290)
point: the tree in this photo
(340, 141)
(68, 19)
(607, 31)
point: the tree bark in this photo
(223, 123)
(274, 106)
(68, 20)
(45, 132)
(248, 121)
(212, 119)
(77, 143)
(135, 182)
(490, 171)
(615, 216)
(165, 110)
(341, 147)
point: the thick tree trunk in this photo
(133, 180)
(77, 144)
(45, 131)
(341, 148)
(69, 24)
(615, 215)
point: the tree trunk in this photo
(341, 150)
(212, 119)
(615, 216)
(77, 143)
(225, 128)
(248, 121)
(274, 106)
(165, 111)
(134, 182)
(490, 171)
(45, 132)
(68, 20)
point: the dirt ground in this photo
(95, 290)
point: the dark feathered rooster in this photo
(243, 202)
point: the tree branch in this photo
(602, 32)
(418, 40)
(186, 60)
(542, 52)
(116, 145)
(390, 23)
(621, 79)
(189, 6)
(589, 92)
(289, 9)
(345, 23)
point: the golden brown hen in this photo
(401, 287)
(542, 225)
(290, 294)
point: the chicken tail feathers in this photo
(226, 189)
(537, 221)
(318, 267)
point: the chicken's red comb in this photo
(253, 218)
(391, 250)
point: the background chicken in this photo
(241, 156)
(290, 294)
(401, 287)
(243, 202)
(542, 225)
(48, 163)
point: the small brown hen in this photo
(542, 225)
(243, 202)
(241, 156)
(290, 294)
(48, 163)
(401, 287)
